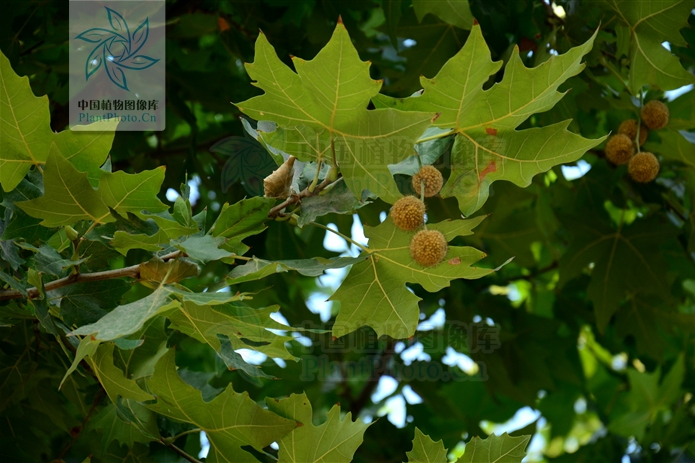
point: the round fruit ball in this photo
(643, 167)
(655, 115)
(619, 149)
(408, 213)
(428, 247)
(432, 178)
(629, 128)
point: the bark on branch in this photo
(128, 272)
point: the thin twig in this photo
(366, 393)
(181, 452)
(77, 431)
(128, 272)
(277, 210)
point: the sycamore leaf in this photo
(129, 318)
(88, 150)
(674, 146)
(111, 426)
(651, 22)
(240, 220)
(230, 420)
(425, 450)
(646, 398)
(204, 248)
(171, 271)
(256, 268)
(323, 108)
(112, 379)
(244, 326)
(624, 259)
(334, 441)
(26, 135)
(487, 147)
(69, 197)
(374, 292)
(235, 362)
(500, 449)
(339, 200)
(84, 303)
(25, 131)
(454, 12)
(144, 231)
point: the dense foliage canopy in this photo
(235, 288)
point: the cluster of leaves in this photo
(126, 321)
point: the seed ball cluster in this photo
(655, 115)
(432, 178)
(643, 167)
(428, 247)
(619, 149)
(629, 128)
(408, 213)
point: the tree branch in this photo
(277, 210)
(366, 393)
(181, 452)
(128, 272)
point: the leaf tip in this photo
(340, 19)
(475, 22)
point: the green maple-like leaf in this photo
(624, 259)
(425, 450)
(334, 441)
(126, 319)
(256, 268)
(651, 22)
(112, 379)
(240, 220)
(323, 108)
(487, 147)
(454, 12)
(69, 196)
(499, 449)
(113, 428)
(24, 127)
(374, 292)
(26, 135)
(245, 327)
(230, 420)
(144, 231)
(645, 399)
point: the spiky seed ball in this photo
(619, 149)
(428, 247)
(643, 167)
(408, 213)
(629, 128)
(655, 115)
(433, 180)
